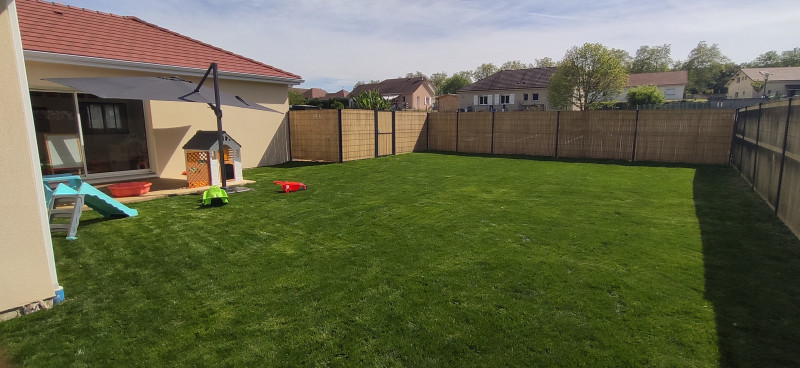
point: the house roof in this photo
(398, 86)
(67, 30)
(320, 93)
(204, 140)
(658, 79)
(790, 73)
(513, 79)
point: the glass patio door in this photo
(85, 135)
(114, 135)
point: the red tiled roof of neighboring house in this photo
(340, 94)
(790, 73)
(513, 79)
(397, 86)
(658, 79)
(61, 29)
(318, 93)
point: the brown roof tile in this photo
(396, 86)
(61, 29)
(658, 79)
(789, 73)
(513, 79)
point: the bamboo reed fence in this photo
(766, 151)
(688, 136)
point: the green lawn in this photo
(432, 260)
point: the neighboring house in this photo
(405, 93)
(119, 139)
(320, 94)
(447, 103)
(671, 84)
(780, 82)
(508, 90)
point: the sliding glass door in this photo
(83, 134)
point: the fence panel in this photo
(314, 135)
(475, 132)
(789, 208)
(596, 134)
(385, 133)
(761, 133)
(768, 133)
(443, 131)
(358, 134)
(411, 131)
(531, 133)
(702, 137)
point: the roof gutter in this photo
(88, 61)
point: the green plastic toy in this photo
(214, 192)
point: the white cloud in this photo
(333, 44)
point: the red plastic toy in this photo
(290, 186)
(129, 189)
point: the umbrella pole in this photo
(218, 112)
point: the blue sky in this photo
(335, 43)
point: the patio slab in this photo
(162, 188)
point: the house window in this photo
(534, 97)
(483, 100)
(524, 97)
(669, 91)
(427, 100)
(736, 95)
(738, 79)
(505, 99)
(103, 118)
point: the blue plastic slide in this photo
(103, 203)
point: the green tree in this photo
(767, 59)
(456, 82)
(484, 71)
(417, 74)
(709, 70)
(652, 59)
(585, 75)
(791, 57)
(645, 95)
(544, 62)
(371, 100)
(515, 65)
(624, 58)
(296, 98)
(438, 80)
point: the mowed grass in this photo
(431, 260)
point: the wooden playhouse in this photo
(202, 159)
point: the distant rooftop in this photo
(659, 78)
(513, 79)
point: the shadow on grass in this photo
(752, 272)
(293, 164)
(568, 159)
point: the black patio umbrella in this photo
(164, 89)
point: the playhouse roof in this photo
(205, 140)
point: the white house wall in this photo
(516, 100)
(27, 268)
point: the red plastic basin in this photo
(290, 186)
(129, 189)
